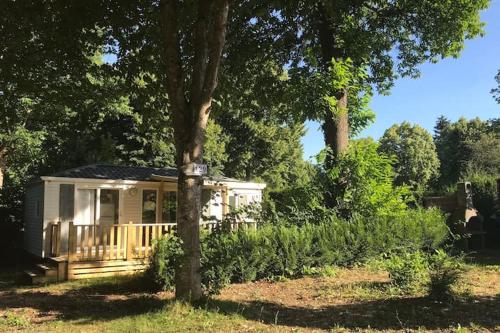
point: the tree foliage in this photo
(416, 163)
(387, 38)
(466, 144)
(496, 91)
(362, 182)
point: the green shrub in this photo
(444, 272)
(285, 251)
(217, 260)
(167, 255)
(292, 249)
(407, 270)
(251, 255)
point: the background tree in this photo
(466, 144)
(417, 161)
(388, 38)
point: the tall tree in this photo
(416, 162)
(389, 38)
(190, 99)
(459, 146)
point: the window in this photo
(243, 200)
(109, 206)
(148, 206)
(169, 207)
(232, 203)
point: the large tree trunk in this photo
(336, 129)
(190, 109)
(189, 188)
(188, 279)
(335, 126)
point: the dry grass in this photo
(358, 299)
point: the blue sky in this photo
(452, 87)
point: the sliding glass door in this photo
(85, 207)
(97, 206)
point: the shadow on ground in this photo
(119, 298)
(484, 258)
(108, 301)
(390, 314)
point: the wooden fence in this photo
(117, 241)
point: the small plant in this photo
(166, 258)
(325, 271)
(407, 270)
(14, 319)
(444, 272)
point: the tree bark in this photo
(190, 112)
(335, 126)
(336, 129)
(188, 279)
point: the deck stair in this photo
(42, 273)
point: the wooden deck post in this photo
(71, 243)
(225, 201)
(130, 240)
(159, 208)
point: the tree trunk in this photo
(189, 189)
(188, 279)
(190, 110)
(335, 127)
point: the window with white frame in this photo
(149, 206)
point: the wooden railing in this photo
(234, 225)
(118, 241)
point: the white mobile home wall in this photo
(33, 219)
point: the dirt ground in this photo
(357, 299)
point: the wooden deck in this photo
(104, 250)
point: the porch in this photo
(103, 250)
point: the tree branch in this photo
(200, 49)
(175, 84)
(221, 9)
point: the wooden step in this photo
(38, 277)
(57, 260)
(47, 270)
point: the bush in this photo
(280, 250)
(444, 272)
(407, 270)
(167, 255)
(217, 259)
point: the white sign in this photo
(194, 169)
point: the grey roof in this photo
(118, 172)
